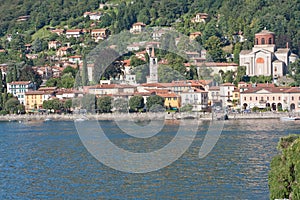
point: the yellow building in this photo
(172, 100)
(33, 100)
(236, 98)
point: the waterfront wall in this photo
(144, 116)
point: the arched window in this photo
(262, 40)
(270, 40)
(256, 41)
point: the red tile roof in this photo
(20, 83)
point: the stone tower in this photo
(153, 75)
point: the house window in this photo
(279, 98)
(262, 40)
(250, 98)
(292, 98)
(261, 98)
(256, 41)
(273, 98)
(236, 95)
(268, 98)
(270, 40)
(245, 98)
(256, 98)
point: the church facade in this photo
(265, 58)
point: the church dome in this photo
(265, 37)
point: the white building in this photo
(76, 33)
(226, 94)
(137, 27)
(265, 58)
(18, 89)
(195, 97)
(93, 15)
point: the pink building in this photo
(277, 98)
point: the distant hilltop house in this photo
(74, 33)
(200, 18)
(75, 59)
(265, 58)
(54, 44)
(100, 34)
(238, 37)
(137, 27)
(63, 51)
(93, 15)
(23, 18)
(159, 32)
(58, 31)
(108, 5)
(194, 35)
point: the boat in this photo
(289, 118)
(47, 120)
(80, 119)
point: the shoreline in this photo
(140, 116)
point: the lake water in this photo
(41, 160)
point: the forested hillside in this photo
(225, 17)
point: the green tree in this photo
(283, 176)
(166, 74)
(52, 82)
(241, 72)
(141, 72)
(120, 105)
(214, 50)
(134, 61)
(68, 105)
(12, 105)
(154, 100)
(294, 70)
(1, 82)
(71, 70)
(88, 102)
(66, 81)
(136, 103)
(236, 52)
(78, 80)
(37, 45)
(104, 104)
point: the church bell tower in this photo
(153, 65)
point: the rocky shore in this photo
(142, 116)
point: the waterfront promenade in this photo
(143, 116)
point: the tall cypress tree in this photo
(84, 74)
(15, 74)
(1, 82)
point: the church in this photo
(265, 58)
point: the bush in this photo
(186, 108)
(284, 177)
(3, 112)
(255, 109)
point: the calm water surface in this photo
(41, 160)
